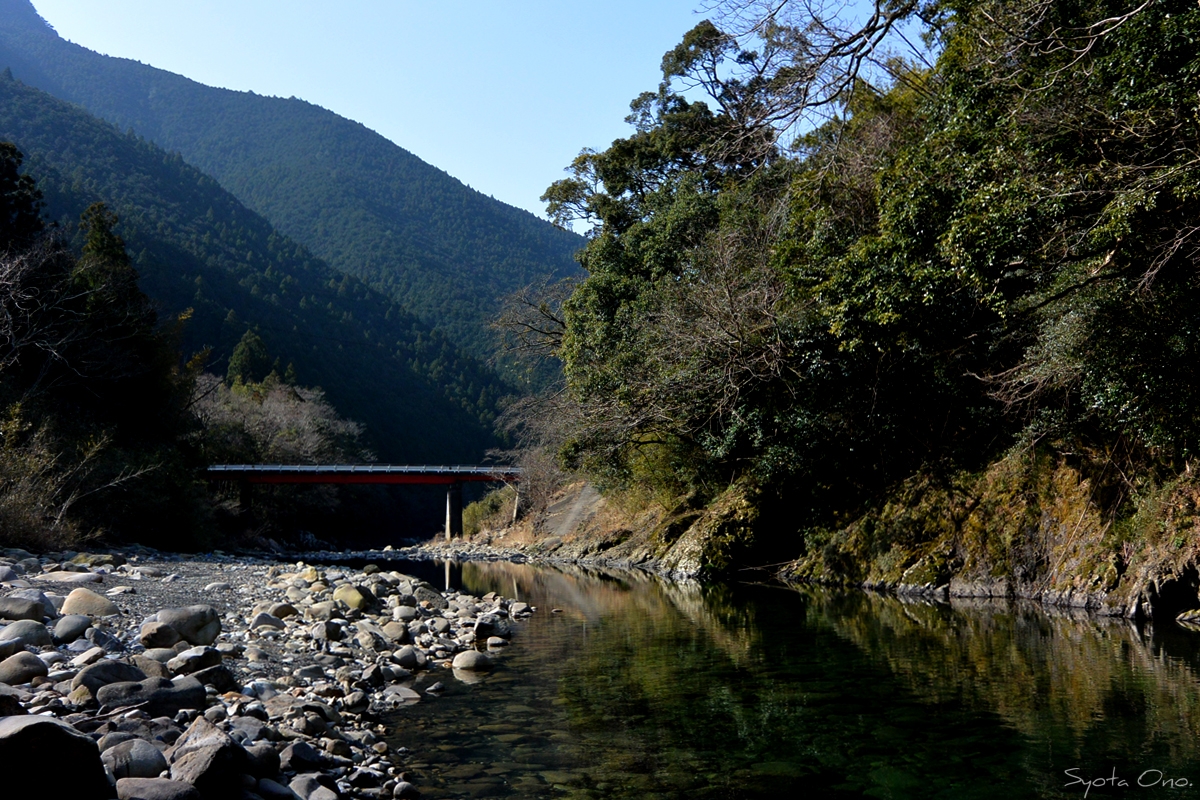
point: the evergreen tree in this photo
(249, 362)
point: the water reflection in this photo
(642, 688)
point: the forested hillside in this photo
(950, 332)
(197, 247)
(367, 207)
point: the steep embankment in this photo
(1030, 526)
(358, 201)
(196, 246)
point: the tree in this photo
(20, 202)
(250, 362)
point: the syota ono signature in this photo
(1148, 778)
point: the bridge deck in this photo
(360, 473)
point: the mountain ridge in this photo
(364, 204)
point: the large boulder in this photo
(70, 628)
(493, 625)
(15, 608)
(48, 607)
(424, 593)
(352, 596)
(105, 672)
(161, 697)
(54, 757)
(22, 668)
(155, 634)
(473, 661)
(135, 758)
(209, 759)
(28, 633)
(194, 660)
(85, 601)
(198, 625)
(155, 789)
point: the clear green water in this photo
(644, 689)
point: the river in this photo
(626, 686)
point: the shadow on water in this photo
(641, 688)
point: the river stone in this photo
(48, 607)
(28, 633)
(104, 673)
(473, 661)
(155, 789)
(492, 625)
(301, 757)
(135, 758)
(102, 638)
(352, 596)
(265, 620)
(282, 610)
(327, 631)
(410, 657)
(435, 600)
(162, 698)
(155, 636)
(405, 791)
(15, 608)
(70, 628)
(218, 676)
(270, 790)
(396, 631)
(496, 641)
(264, 758)
(150, 666)
(98, 560)
(194, 659)
(7, 574)
(198, 624)
(68, 577)
(57, 759)
(209, 759)
(518, 608)
(22, 668)
(404, 613)
(85, 601)
(10, 648)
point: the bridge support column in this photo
(454, 509)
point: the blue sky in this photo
(500, 95)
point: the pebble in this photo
(273, 689)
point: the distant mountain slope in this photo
(195, 245)
(368, 207)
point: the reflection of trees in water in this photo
(701, 691)
(1087, 686)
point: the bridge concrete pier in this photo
(454, 510)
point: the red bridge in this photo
(452, 477)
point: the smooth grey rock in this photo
(405, 791)
(22, 668)
(135, 758)
(10, 648)
(85, 601)
(37, 749)
(410, 657)
(270, 790)
(309, 787)
(194, 659)
(27, 632)
(219, 677)
(518, 608)
(155, 634)
(48, 607)
(162, 698)
(301, 757)
(70, 628)
(103, 673)
(155, 789)
(493, 625)
(102, 638)
(198, 624)
(7, 574)
(15, 608)
(114, 738)
(473, 661)
(265, 620)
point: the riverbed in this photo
(627, 686)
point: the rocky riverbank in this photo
(214, 677)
